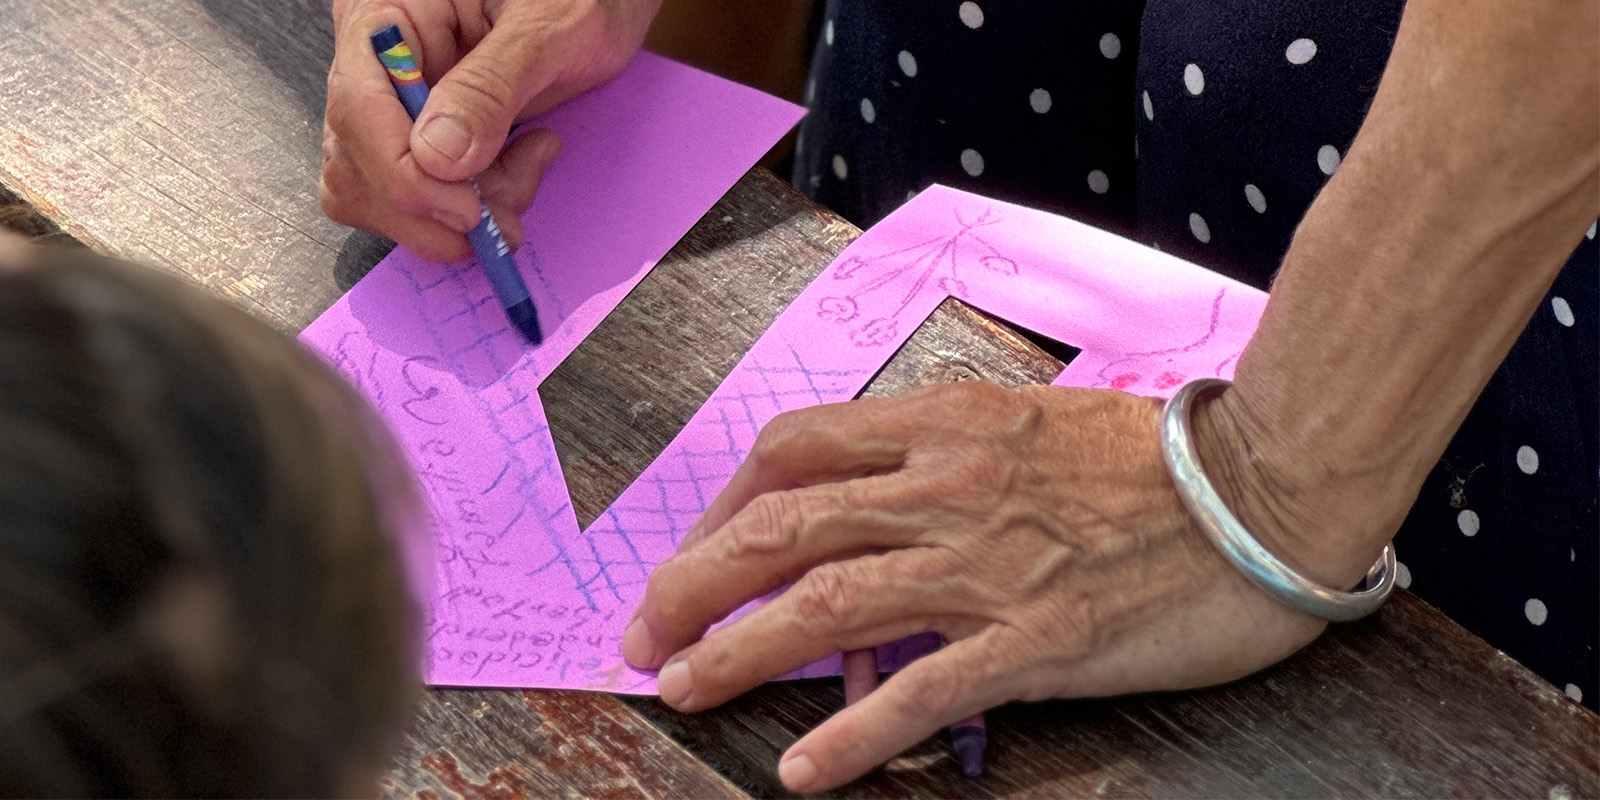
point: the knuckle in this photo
(1070, 625)
(769, 524)
(661, 606)
(976, 476)
(483, 85)
(777, 437)
(714, 664)
(330, 148)
(330, 203)
(335, 202)
(961, 397)
(932, 690)
(371, 14)
(826, 598)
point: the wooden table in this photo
(186, 133)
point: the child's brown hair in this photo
(201, 590)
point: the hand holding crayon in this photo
(488, 68)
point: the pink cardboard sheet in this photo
(522, 597)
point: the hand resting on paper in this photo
(1036, 529)
(490, 63)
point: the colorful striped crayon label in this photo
(402, 65)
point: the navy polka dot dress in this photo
(1205, 128)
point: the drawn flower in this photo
(838, 309)
(849, 267)
(874, 333)
(1000, 264)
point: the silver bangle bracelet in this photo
(1237, 545)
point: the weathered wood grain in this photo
(1403, 705)
(184, 134)
(514, 744)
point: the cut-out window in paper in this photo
(523, 598)
(520, 595)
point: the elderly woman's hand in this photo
(1036, 529)
(490, 63)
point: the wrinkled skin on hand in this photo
(490, 63)
(1035, 529)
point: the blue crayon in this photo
(493, 252)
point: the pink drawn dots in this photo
(1169, 379)
(1123, 381)
(874, 333)
(953, 287)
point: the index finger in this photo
(772, 541)
(930, 693)
(826, 444)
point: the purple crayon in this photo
(860, 674)
(969, 738)
(487, 241)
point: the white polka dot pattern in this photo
(1563, 311)
(972, 162)
(1468, 522)
(908, 63)
(841, 170)
(869, 113)
(1300, 51)
(1198, 227)
(1194, 80)
(1527, 460)
(971, 15)
(1257, 200)
(1039, 101)
(1535, 611)
(1328, 159)
(1110, 45)
(1098, 182)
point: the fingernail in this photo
(797, 773)
(673, 682)
(452, 221)
(447, 135)
(638, 647)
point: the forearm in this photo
(1419, 264)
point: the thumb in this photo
(471, 109)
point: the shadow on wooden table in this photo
(1354, 714)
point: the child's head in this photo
(200, 590)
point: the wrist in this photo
(1321, 523)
